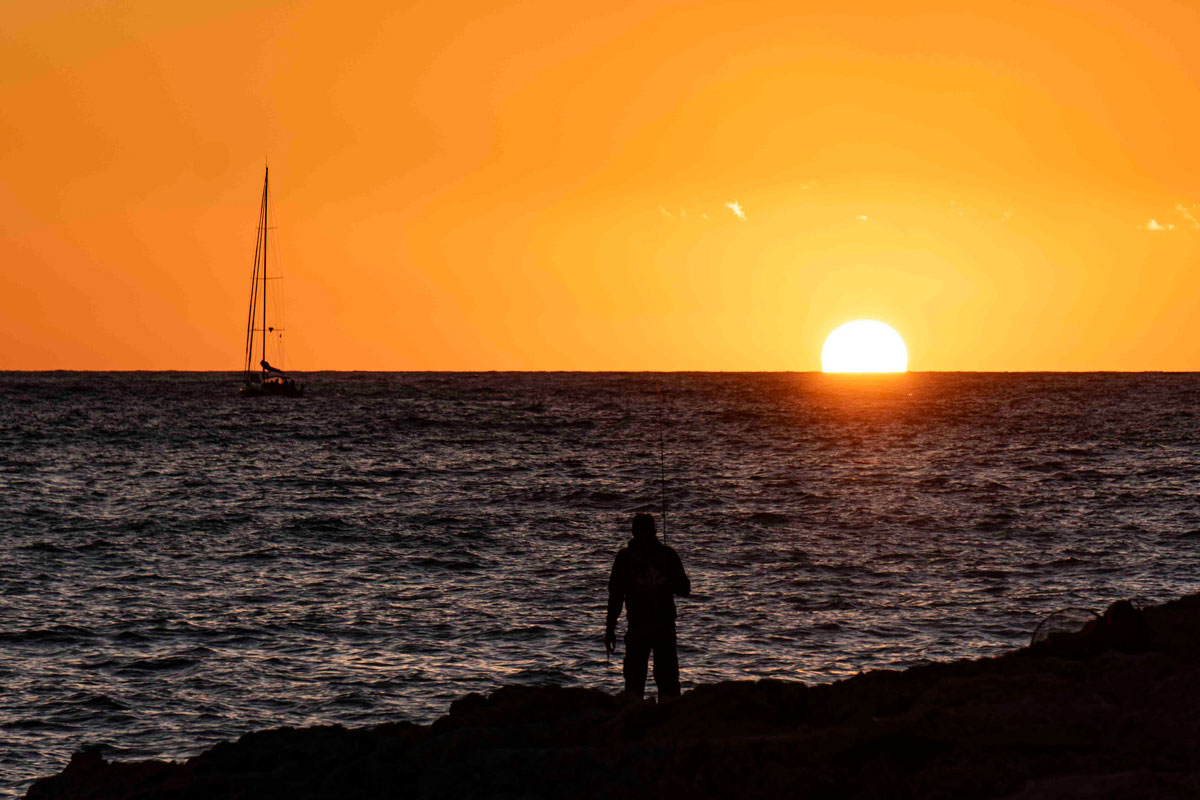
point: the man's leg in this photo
(666, 664)
(637, 653)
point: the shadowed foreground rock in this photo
(1113, 712)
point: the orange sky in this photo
(543, 185)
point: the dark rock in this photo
(1124, 628)
(1106, 712)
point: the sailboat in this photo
(266, 379)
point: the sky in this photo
(622, 186)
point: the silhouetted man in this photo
(646, 576)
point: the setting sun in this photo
(864, 345)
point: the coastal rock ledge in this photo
(1110, 712)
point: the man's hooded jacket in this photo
(646, 576)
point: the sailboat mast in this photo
(278, 384)
(266, 181)
(258, 265)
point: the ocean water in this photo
(179, 565)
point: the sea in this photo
(180, 565)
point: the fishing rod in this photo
(662, 457)
(662, 481)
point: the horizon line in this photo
(630, 371)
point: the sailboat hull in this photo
(272, 387)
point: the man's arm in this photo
(616, 593)
(680, 584)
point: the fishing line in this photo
(662, 455)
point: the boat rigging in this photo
(266, 379)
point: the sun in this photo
(864, 345)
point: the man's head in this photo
(643, 527)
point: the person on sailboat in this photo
(646, 577)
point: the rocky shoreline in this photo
(1113, 711)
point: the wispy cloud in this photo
(1186, 213)
(970, 212)
(699, 211)
(1183, 217)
